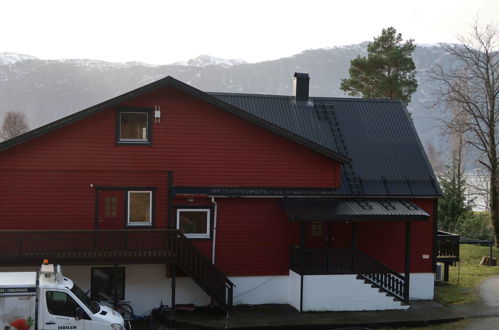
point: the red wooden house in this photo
(320, 203)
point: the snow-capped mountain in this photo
(11, 58)
(206, 60)
(50, 89)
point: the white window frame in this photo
(130, 223)
(208, 226)
(120, 139)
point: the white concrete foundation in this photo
(294, 289)
(254, 290)
(342, 293)
(146, 286)
(421, 286)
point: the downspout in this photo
(214, 243)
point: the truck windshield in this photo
(91, 305)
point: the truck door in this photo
(60, 312)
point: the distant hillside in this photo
(50, 89)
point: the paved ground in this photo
(489, 292)
(483, 315)
(286, 317)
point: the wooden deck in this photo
(91, 247)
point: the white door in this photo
(60, 313)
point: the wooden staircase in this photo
(192, 262)
(354, 262)
(380, 276)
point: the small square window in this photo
(194, 223)
(139, 208)
(134, 126)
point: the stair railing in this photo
(202, 271)
(381, 276)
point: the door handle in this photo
(50, 323)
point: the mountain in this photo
(50, 89)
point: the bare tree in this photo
(14, 124)
(472, 88)
(435, 158)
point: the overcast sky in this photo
(162, 32)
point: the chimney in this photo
(300, 86)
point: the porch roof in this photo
(353, 210)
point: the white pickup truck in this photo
(50, 301)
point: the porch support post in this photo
(174, 275)
(303, 231)
(354, 245)
(407, 260)
(115, 286)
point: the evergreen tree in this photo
(387, 72)
(453, 207)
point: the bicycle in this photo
(121, 306)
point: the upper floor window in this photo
(139, 208)
(133, 126)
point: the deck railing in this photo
(349, 261)
(85, 246)
(447, 247)
(320, 261)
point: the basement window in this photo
(139, 208)
(194, 223)
(134, 126)
(107, 282)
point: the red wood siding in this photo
(65, 200)
(385, 241)
(203, 145)
(253, 237)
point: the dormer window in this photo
(133, 126)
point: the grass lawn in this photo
(470, 277)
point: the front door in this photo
(111, 209)
(319, 235)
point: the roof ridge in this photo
(335, 98)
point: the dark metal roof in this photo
(170, 81)
(374, 139)
(353, 210)
(387, 158)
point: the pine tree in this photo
(453, 207)
(388, 71)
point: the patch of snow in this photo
(103, 65)
(207, 60)
(138, 63)
(11, 58)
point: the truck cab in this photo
(60, 303)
